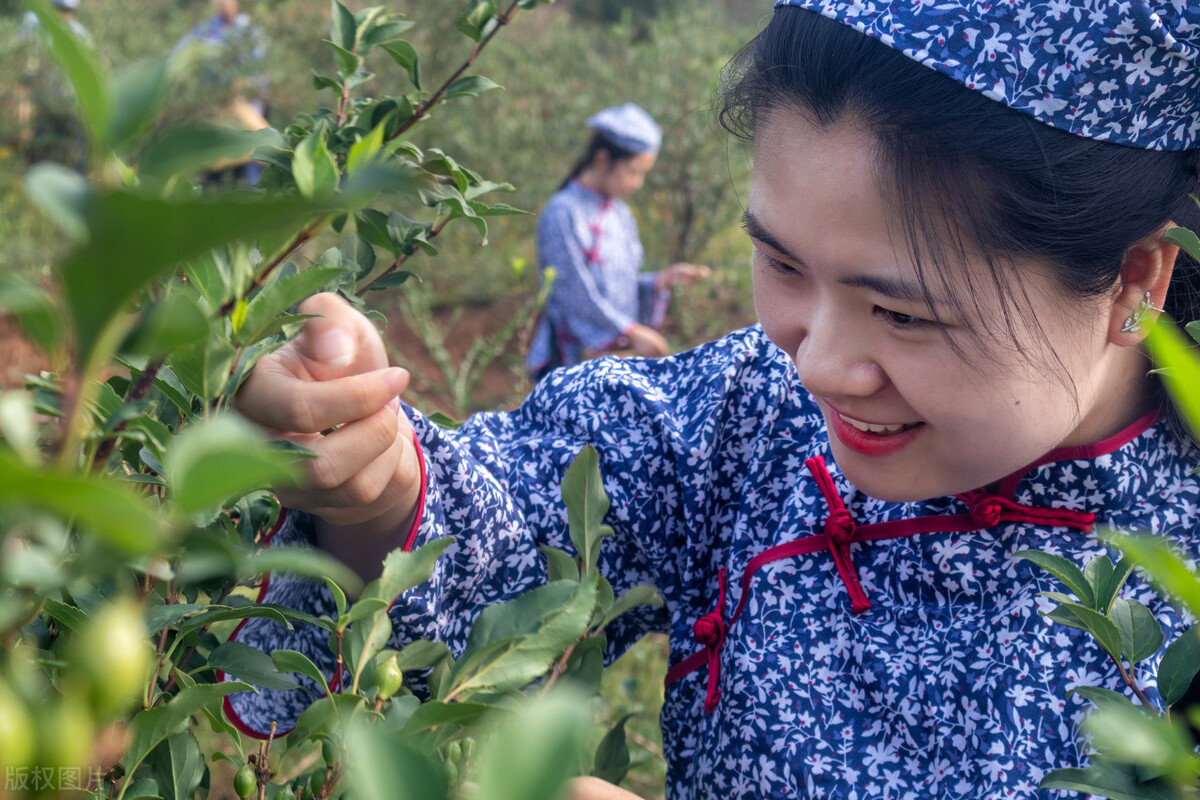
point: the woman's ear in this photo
(1142, 290)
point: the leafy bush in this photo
(132, 503)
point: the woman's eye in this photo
(900, 320)
(777, 265)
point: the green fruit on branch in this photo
(17, 739)
(388, 677)
(66, 734)
(113, 656)
(331, 752)
(245, 782)
(286, 793)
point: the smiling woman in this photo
(957, 215)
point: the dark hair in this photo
(599, 142)
(972, 175)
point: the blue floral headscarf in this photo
(1123, 72)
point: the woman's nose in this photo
(835, 359)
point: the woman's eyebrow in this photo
(896, 288)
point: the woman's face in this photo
(620, 179)
(910, 415)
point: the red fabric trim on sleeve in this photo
(412, 534)
(226, 702)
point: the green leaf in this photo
(277, 297)
(612, 760)
(1107, 780)
(587, 503)
(302, 562)
(99, 506)
(165, 327)
(1103, 698)
(641, 595)
(314, 169)
(339, 597)
(348, 63)
(65, 615)
(406, 56)
(435, 713)
(390, 280)
(1164, 568)
(1063, 569)
(138, 91)
(1185, 239)
(222, 459)
(343, 28)
(422, 655)
(535, 751)
(1179, 367)
(514, 642)
(1179, 666)
(151, 727)
(204, 368)
(178, 766)
(383, 32)
(63, 196)
(404, 570)
(1107, 588)
(362, 609)
(120, 257)
(470, 86)
(560, 565)
(475, 17)
(1141, 635)
(251, 665)
(365, 149)
(1101, 627)
(184, 151)
(81, 66)
(585, 666)
(385, 767)
(168, 615)
(295, 661)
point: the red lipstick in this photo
(867, 443)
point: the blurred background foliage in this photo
(557, 67)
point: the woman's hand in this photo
(596, 789)
(645, 341)
(331, 390)
(681, 274)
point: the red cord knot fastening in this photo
(839, 527)
(839, 534)
(709, 631)
(986, 510)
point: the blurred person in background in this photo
(600, 300)
(234, 50)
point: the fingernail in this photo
(335, 348)
(395, 379)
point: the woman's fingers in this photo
(276, 398)
(337, 340)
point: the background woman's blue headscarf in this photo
(1123, 72)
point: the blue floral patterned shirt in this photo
(824, 644)
(591, 241)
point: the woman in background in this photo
(600, 300)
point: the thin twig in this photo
(423, 108)
(137, 391)
(260, 279)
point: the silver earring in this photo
(1134, 322)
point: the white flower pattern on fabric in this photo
(950, 686)
(1043, 58)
